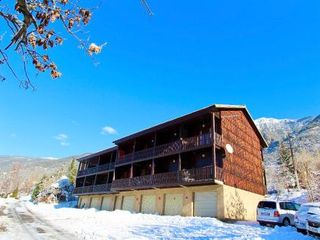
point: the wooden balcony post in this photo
(108, 177)
(84, 181)
(85, 165)
(80, 165)
(180, 131)
(179, 162)
(152, 167)
(114, 175)
(133, 149)
(214, 157)
(155, 140)
(111, 156)
(95, 179)
(131, 171)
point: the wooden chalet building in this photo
(206, 163)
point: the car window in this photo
(297, 206)
(291, 206)
(267, 204)
(283, 205)
(288, 206)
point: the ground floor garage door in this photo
(107, 204)
(128, 203)
(96, 203)
(173, 204)
(205, 204)
(148, 204)
(85, 202)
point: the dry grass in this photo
(3, 228)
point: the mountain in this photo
(31, 169)
(304, 132)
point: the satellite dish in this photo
(229, 148)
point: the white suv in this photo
(272, 212)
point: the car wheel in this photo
(286, 222)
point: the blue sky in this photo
(264, 54)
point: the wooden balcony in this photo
(183, 145)
(188, 177)
(96, 169)
(94, 189)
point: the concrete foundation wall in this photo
(240, 204)
(231, 202)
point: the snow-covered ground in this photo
(293, 195)
(91, 224)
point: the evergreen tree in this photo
(285, 158)
(286, 168)
(72, 171)
(38, 188)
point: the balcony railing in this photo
(96, 169)
(219, 174)
(102, 188)
(170, 148)
(194, 176)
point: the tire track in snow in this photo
(35, 227)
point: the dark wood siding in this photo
(242, 169)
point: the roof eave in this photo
(111, 149)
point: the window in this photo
(265, 204)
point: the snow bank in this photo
(61, 183)
(295, 196)
(59, 191)
(94, 225)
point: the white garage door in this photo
(205, 204)
(85, 202)
(128, 203)
(148, 204)
(118, 202)
(173, 204)
(107, 204)
(96, 203)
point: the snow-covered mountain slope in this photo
(304, 134)
(278, 129)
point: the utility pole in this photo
(293, 162)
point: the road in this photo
(26, 225)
